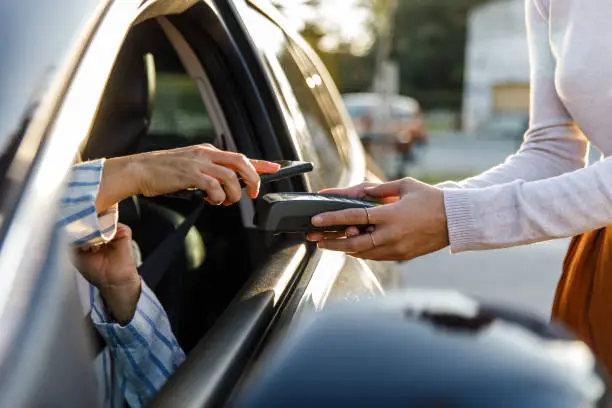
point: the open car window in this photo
(176, 107)
(179, 111)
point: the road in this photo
(523, 277)
(452, 154)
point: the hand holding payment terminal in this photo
(292, 212)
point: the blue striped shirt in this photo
(142, 355)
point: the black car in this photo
(110, 78)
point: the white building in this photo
(496, 78)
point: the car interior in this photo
(152, 102)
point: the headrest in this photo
(125, 111)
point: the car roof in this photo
(36, 44)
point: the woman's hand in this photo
(411, 224)
(360, 191)
(112, 269)
(162, 172)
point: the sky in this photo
(342, 21)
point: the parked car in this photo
(400, 116)
(110, 78)
(388, 124)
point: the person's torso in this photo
(580, 33)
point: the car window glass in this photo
(179, 109)
(179, 116)
(301, 86)
(401, 112)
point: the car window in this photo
(401, 112)
(305, 95)
(179, 110)
(179, 116)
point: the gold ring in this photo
(372, 240)
(367, 216)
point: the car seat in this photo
(122, 120)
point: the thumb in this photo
(386, 190)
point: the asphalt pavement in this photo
(522, 277)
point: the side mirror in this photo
(426, 349)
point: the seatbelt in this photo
(155, 266)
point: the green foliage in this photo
(429, 45)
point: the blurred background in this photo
(438, 90)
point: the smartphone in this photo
(288, 169)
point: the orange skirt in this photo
(583, 300)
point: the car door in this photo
(321, 131)
(44, 355)
(291, 268)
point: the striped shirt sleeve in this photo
(78, 216)
(145, 350)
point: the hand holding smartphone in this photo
(288, 169)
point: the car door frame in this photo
(45, 353)
(213, 367)
(296, 270)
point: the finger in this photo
(357, 191)
(377, 254)
(240, 164)
(123, 231)
(382, 253)
(265, 167)
(212, 187)
(228, 179)
(319, 236)
(358, 244)
(387, 190)
(209, 146)
(316, 236)
(353, 216)
(354, 231)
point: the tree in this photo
(428, 44)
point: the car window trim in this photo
(285, 94)
(272, 133)
(288, 116)
(355, 161)
(196, 72)
(215, 365)
(289, 104)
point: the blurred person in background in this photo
(141, 351)
(542, 192)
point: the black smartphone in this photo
(288, 169)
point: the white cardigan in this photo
(544, 191)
